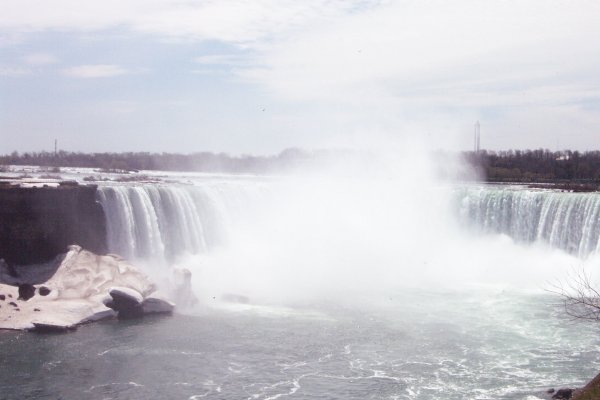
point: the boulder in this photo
(26, 291)
(126, 295)
(156, 303)
(43, 291)
(126, 302)
(563, 394)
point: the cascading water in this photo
(567, 221)
(163, 222)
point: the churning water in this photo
(412, 345)
(334, 289)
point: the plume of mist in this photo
(364, 229)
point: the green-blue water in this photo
(407, 345)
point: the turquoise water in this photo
(405, 345)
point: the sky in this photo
(256, 77)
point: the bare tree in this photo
(580, 295)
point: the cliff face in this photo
(36, 224)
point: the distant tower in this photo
(477, 138)
(55, 147)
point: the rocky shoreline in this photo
(78, 287)
(591, 391)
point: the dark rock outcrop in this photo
(43, 291)
(51, 328)
(36, 224)
(591, 391)
(563, 394)
(26, 291)
(126, 302)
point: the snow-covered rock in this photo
(127, 295)
(157, 303)
(78, 291)
(126, 302)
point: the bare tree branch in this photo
(580, 296)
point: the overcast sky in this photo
(259, 76)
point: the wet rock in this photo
(563, 394)
(36, 309)
(51, 328)
(2, 297)
(43, 291)
(12, 303)
(156, 303)
(7, 269)
(126, 302)
(39, 224)
(26, 291)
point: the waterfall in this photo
(568, 221)
(162, 222)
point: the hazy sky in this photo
(258, 76)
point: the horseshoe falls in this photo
(300, 239)
(344, 288)
(163, 222)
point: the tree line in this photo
(135, 161)
(540, 165)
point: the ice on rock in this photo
(78, 292)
